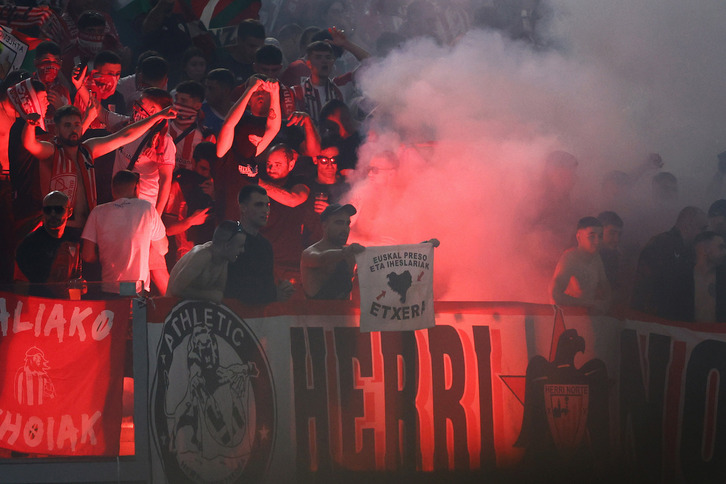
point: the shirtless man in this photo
(202, 272)
(579, 278)
(327, 266)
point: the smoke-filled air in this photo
(497, 148)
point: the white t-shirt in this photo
(123, 230)
(147, 165)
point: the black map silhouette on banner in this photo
(400, 283)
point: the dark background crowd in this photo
(267, 94)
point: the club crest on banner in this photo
(566, 416)
(33, 386)
(213, 405)
(396, 287)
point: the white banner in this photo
(396, 287)
(12, 51)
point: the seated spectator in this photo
(709, 284)
(120, 233)
(326, 267)
(202, 272)
(186, 129)
(665, 269)
(46, 255)
(219, 85)
(579, 279)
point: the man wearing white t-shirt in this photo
(120, 233)
(153, 157)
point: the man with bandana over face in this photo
(100, 84)
(91, 39)
(185, 129)
(71, 160)
(154, 158)
(47, 67)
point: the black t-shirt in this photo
(250, 278)
(24, 174)
(284, 229)
(190, 184)
(45, 259)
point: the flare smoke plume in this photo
(468, 128)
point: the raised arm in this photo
(311, 145)
(105, 144)
(292, 197)
(311, 257)
(342, 41)
(226, 133)
(274, 117)
(40, 149)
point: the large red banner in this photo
(61, 372)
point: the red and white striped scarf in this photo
(313, 101)
(65, 174)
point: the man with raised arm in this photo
(71, 160)
(327, 266)
(249, 128)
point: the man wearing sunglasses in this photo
(47, 255)
(70, 161)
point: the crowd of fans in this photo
(134, 139)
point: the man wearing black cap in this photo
(327, 265)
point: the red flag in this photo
(61, 377)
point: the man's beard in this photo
(69, 142)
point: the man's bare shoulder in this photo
(313, 249)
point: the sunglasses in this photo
(324, 160)
(57, 209)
